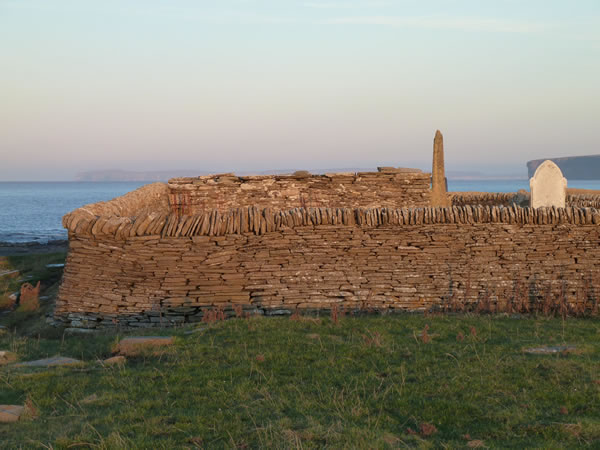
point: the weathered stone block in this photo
(11, 413)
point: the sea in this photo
(32, 211)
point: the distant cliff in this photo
(572, 167)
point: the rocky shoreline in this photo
(24, 248)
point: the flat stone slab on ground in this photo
(55, 361)
(119, 359)
(9, 273)
(10, 413)
(135, 345)
(550, 349)
(7, 357)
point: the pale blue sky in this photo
(239, 85)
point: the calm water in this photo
(33, 211)
(510, 185)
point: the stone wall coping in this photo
(149, 198)
(256, 220)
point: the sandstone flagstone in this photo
(9, 273)
(115, 360)
(11, 413)
(55, 361)
(7, 357)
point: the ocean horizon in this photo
(32, 211)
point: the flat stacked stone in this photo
(314, 258)
(271, 244)
(392, 187)
(11, 413)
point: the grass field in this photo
(365, 382)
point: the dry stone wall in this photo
(115, 216)
(520, 198)
(165, 269)
(584, 200)
(390, 187)
(483, 198)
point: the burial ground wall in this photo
(163, 267)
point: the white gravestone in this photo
(548, 186)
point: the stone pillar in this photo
(439, 185)
(548, 186)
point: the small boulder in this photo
(119, 359)
(10, 413)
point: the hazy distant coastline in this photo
(165, 175)
(128, 175)
(118, 175)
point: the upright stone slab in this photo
(30, 297)
(439, 185)
(548, 186)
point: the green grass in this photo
(363, 382)
(32, 269)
